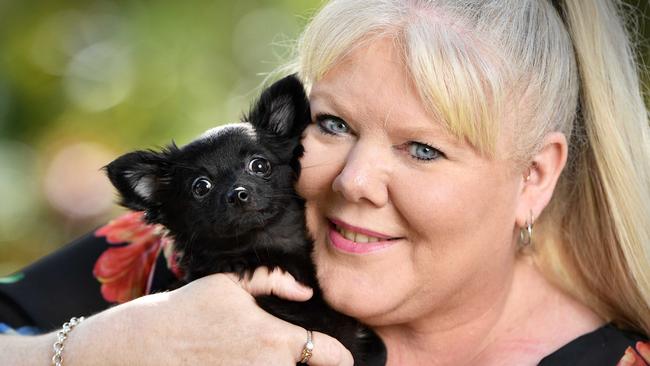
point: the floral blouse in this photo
(118, 262)
(126, 271)
(128, 258)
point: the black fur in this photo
(246, 219)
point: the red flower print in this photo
(126, 267)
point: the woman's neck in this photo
(528, 320)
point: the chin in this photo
(351, 287)
(373, 308)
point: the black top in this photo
(51, 291)
(604, 346)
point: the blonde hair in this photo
(568, 68)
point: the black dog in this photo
(228, 200)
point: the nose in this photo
(364, 176)
(238, 195)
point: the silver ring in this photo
(307, 349)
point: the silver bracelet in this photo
(61, 336)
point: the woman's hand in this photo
(211, 321)
(636, 357)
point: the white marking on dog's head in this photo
(215, 132)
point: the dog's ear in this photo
(138, 175)
(282, 110)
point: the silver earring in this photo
(526, 233)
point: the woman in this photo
(476, 179)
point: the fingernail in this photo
(644, 349)
(628, 358)
(304, 289)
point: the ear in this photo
(282, 110)
(138, 175)
(540, 178)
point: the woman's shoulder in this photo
(604, 346)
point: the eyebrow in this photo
(342, 108)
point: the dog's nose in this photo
(238, 195)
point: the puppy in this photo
(229, 202)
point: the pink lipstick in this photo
(344, 244)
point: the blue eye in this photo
(331, 124)
(423, 152)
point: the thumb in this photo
(275, 282)
(326, 350)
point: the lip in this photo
(359, 230)
(343, 244)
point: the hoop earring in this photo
(526, 233)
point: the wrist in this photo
(62, 336)
(93, 342)
(26, 350)
(107, 338)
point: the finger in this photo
(644, 350)
(275, 282)
(327, 351)
(630, 358)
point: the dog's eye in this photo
(260, 166)
(201, 187)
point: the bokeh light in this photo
(73, 184)
(99, 76)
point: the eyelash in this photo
(322, 118)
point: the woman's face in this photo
(440, 218)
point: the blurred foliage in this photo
(82, 81)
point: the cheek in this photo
(459, 221)
(456, 203)
(320, 164)
(433, 212)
